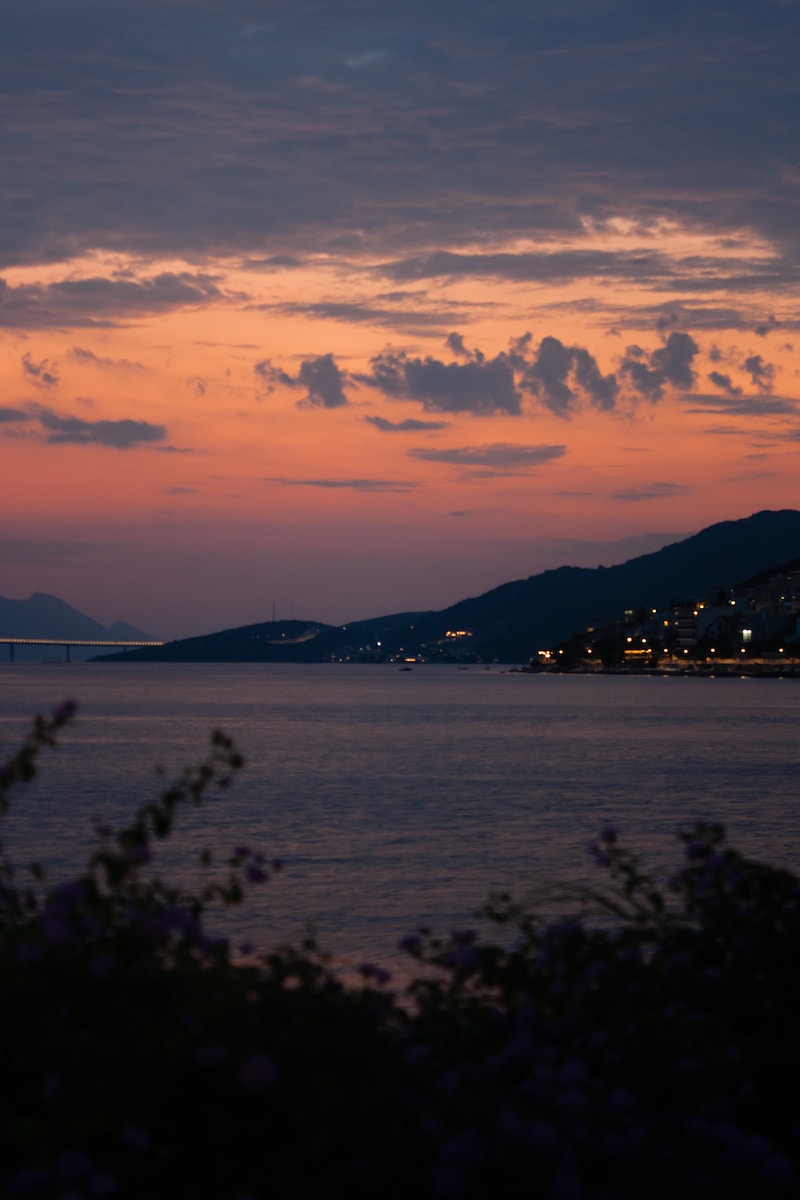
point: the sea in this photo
(399, 799)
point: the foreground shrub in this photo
(646, 1046)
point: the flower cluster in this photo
(640, 1047)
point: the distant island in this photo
(512, 623)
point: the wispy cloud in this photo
(121, 435)
(89, 358)
(500, 458)
(651, 491)
(410, 425)
(349, 485)
(741, 406)
(103, 302)
(43, 373)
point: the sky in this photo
(335, 308)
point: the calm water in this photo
(400, 798)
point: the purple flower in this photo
(135, 1136)
(619, 1101)
(510, 1125)
(255, 874)
(464, 1150)
(207, 1056)
(448, 1183)
(379, 974)
(465, 959)
(29, 956)
(64, 712)
(572, 1071)
(411, 944)
(600, 855)
(72, 1166)
(779, 1170)
(543, 1137)
(26, 1181)
(56, 931)
(258, 1074)
(417, 1053)
(102, 964)
(566, 1187)
(102, 1186)
(68, 894)
(572, 1100)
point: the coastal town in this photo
(750, 629)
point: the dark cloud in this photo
(350, 485)
(412, 320)
(652, 491)
(725, 383)
(688, 316)
(674, 359)
(320, 377)
(645, 381)
(707, 273)
(89, 358)
(501, 458)
(561, 374)
(455, 344)
(11, 415)
(44, 373)
(103, 302)
(761, 373)
(741, 406)
(277, 262)
(561, 377)
(554, 267)
(671, 363)
(479, 386)
(277, 132)
(768, 326)
(408, 426)
(121, 435)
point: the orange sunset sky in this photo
(353, 307)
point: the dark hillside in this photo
(512, 621)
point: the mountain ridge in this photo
(511, 622)
(46, 616)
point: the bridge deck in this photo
(68, 643)
(26, 641)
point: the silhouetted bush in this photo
(647, 1046)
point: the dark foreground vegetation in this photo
(649, 1048)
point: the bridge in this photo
(67, 643)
